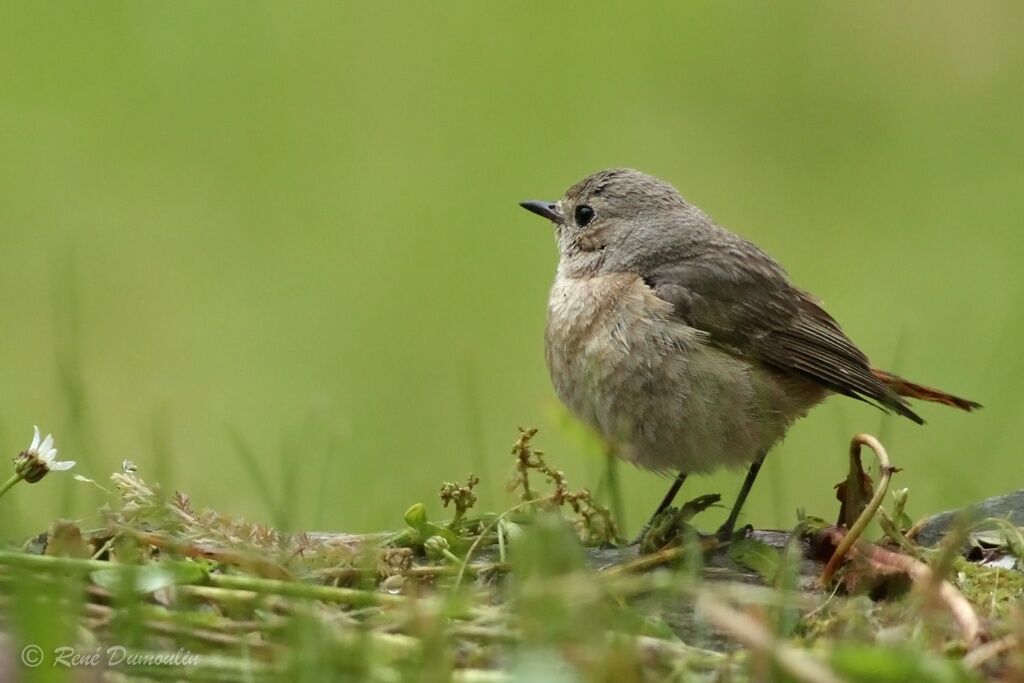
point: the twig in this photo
(668, 650)
(914, 530)
(487, 529)
(868, 514)
(644, 562)
(106, 614)
(757, 637)
(981, 654)
(481, 676)
(656, 559)
(344, 596)
(923, 576)
(196, 549)
(448, 569)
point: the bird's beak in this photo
(548, 210)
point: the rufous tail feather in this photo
(919, 391)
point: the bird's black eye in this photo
(584, 214)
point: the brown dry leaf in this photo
(854, 493)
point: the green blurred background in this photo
(287, 234)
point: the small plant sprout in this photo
(462, 496)
(36, 462)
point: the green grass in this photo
(165, 590)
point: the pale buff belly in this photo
(653, 386)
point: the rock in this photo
(1010, 506)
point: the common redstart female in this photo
(685, 345)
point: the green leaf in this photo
(416, 515)
(999, 533)
(421, 529)
(694, 507)
(757, 556)
(899, 515)
(897, 665)
(512, 531)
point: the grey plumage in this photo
(683, 342)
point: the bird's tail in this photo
(911, 390)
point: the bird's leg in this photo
(670, 495)
(725, 531)
(665, 502)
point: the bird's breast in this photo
(606, 341)
(623, 363)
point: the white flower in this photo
(40, 458)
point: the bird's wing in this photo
(743, 300)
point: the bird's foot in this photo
(672, 525)
(727, 533)
(639, 538)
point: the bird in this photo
(686, 346)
